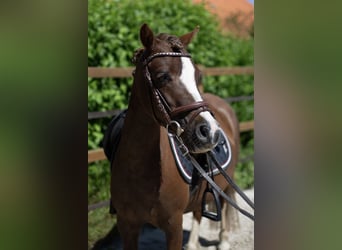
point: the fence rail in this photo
(101, 72)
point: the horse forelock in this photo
(174, 42)
(164, 43)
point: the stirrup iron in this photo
(209, 214)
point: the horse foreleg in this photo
(193, 242)
(173, 229)
(229, 223)
(129, 233)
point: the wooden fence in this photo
(100, 72)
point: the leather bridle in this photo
(164, 114)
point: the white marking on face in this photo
(187, 78)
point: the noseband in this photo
(165, 115)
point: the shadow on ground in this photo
(151, 238)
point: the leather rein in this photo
(167, 115)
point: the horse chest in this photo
(132, 180)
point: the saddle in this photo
(112, 135)
(110, 142)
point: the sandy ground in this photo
(151, 238)
(240, 239)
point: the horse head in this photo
(170, 79)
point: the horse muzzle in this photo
(205, 134)
(202, 135)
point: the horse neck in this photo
(140, 123)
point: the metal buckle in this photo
(174, 130)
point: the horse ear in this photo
(146, 36)
(186, 39)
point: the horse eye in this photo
(163, 78)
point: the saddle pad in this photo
(222, 153)
(112, 135)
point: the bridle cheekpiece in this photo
(167, 116)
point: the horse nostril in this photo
(206, 136)
(202, 131)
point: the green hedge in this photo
(113, 36)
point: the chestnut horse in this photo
(146, 186)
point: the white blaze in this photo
(187, 78)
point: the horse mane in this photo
(137, 55)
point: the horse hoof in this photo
(192, 246)
(224, 246)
